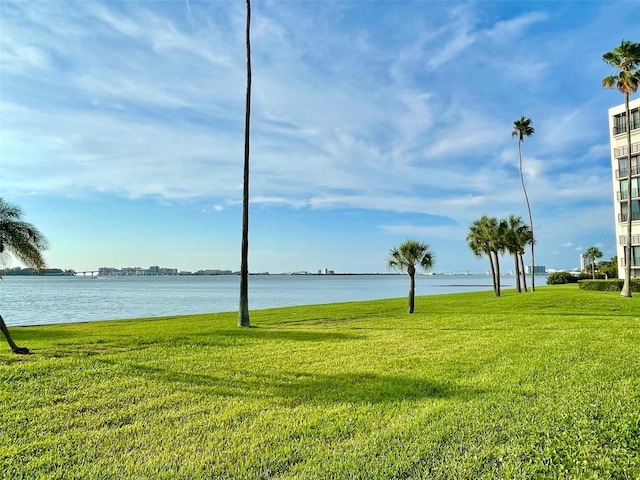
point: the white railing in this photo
(635, 169)
(635, 239)
(622, 217)
(635, 262)
(622, 194)
(622, 151)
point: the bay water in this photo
(37, 300)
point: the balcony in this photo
(622, 151)
(622, 217)
(635, 239)
(624, 173)
(622, 194)
(635, 262)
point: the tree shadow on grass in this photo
(293, 388)
(63, 343)
(40, 332)
(286, 334)
(589, 315)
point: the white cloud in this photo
(476, 137)
(140, 101)
(507, 30)
(120, 23)
(442, 232)
(460, 39)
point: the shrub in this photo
(589, 276)
(559, 278)
(613, 285)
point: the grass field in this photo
(538, 385)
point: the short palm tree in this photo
(26, 243)
(487, 237)
(524, 128)
(626, 59)
(592, 253)
(526, 238)
(405, 257)
(516, 239)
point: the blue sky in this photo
(122, 128)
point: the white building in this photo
(619, 153)
(538, 269)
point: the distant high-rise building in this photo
(624, 206)
(538, 269)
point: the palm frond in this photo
(626, 60)
(21, 239)
(409, 254)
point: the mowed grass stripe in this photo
(538, 385)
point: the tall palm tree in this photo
(626, 59)
(487, 237)
(25, 242)
(524, 128)
(243, 312)
(405, 257)
(592, 253)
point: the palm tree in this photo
(592, 253)
(516, 239)
(25, 242)
(405, 258)
(609, 268)
(526, 239)
(626, 59)
(243, 313)
(487, 236)
(524, 128)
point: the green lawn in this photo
(538, 385)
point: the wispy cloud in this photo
(355, 106)
(507, 30)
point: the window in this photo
(622, 166)
(635, 184)
(635, 257)
(620, 121)
(635, 118)
(635, 211)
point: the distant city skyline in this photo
(372, 122)
(158, 270)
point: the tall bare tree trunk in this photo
(626, 286)
(498, 289)
(243, 313)
(14, 348)
(526, 197)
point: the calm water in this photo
(44, 300)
